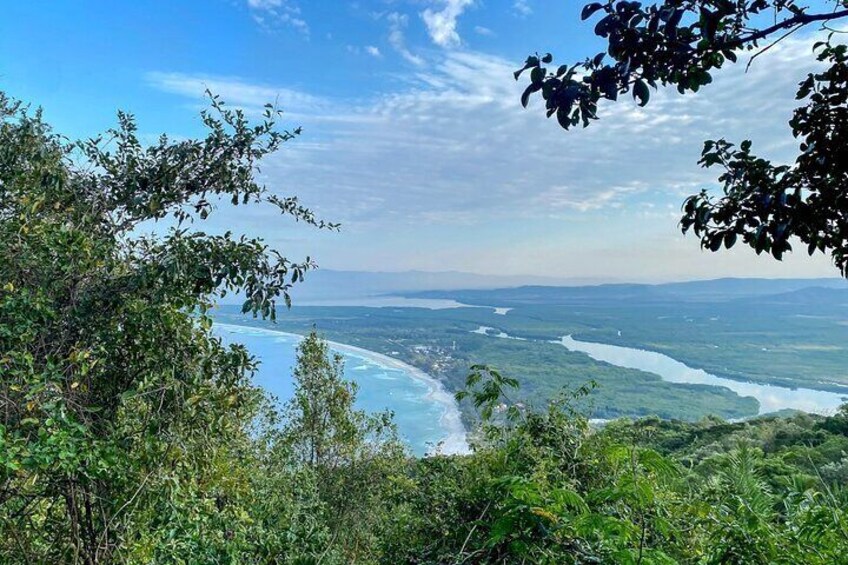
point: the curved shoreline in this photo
(455, 441)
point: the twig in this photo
(471, 532)
(776, 41)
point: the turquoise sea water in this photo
(419, 416)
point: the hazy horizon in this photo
(587, 281)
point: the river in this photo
(771, 397)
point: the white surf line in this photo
(456, 440)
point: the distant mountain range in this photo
(740, 288)
(694, 291)
(325, 286)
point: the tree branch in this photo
(799, 20)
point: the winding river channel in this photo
(770, 397)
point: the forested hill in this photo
(717, 290)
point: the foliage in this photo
(767, 204)
(124, 424)
(682, 44)
(130, 434)
(352, 457)
(487, 387)
(551, 489)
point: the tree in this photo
(681, 44)
(124, 423)
(352, 455)
(322, 425)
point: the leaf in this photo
(570, 499)
(589, 9)
(530, 63)
(715, 244)
(674, 20)
(537, 75)
(563, 118)
(502, 528)
(811, 248)
(640, 91)
(805, 87)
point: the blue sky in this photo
(413, 135)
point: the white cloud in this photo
(271, 12)
(522, 7)
(481, 30)
(458, 137)
(238, 92)
(368, 50)
(455, 149)
(441, 25)
(397, 24)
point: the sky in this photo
(413, 135)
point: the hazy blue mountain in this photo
(695, 291)
(324, 284)
(739, 288)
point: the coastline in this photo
(455, 441)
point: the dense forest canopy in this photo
(682, 44)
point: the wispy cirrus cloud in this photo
(397, 39)
(237, 91)
(371, 50)
(454, 150)
(522, 7)
(457, 137)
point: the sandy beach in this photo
(455, 439)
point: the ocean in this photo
(425, 414)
